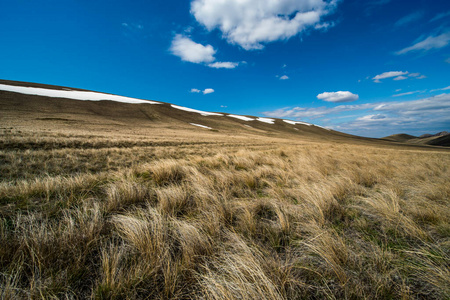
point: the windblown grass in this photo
(217, 220)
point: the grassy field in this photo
(181, 215)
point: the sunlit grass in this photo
(208, 221)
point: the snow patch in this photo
(203, 113)
(296, 122)
(266, 120)
(202, 126)
(321, 127)
(70, 94)
(243, 118)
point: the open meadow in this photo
(196, 214)
(225, 150)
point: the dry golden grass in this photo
(194, 217)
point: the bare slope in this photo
(53, 113)
(435, 140)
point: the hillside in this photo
(45, 112)
(439, 139)
(119, 200)
(402, 137)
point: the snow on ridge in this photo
(297, 122)
(71, 94)
(266, 120)
(322, 127)
(203, 113)
(202, 126)
(243, 118)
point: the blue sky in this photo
(371, 68)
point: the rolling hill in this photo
(47, 107)
(439, 139)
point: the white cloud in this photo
(223, 65)
(421, 77)
(409, 18)
(208, 91)
(324, 26)
(372, 117)
(205, 91)
(251, 23)
(388, 75)
(440, 16)
(407, 93)
(284, 77)
(190, 51)
(400, 78)
(340, 96)
(431, 42)
(442, 89)
(414, 74)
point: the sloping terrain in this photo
(53, 113)
(440, 139)
(402, 137)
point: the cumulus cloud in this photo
(190, 51)
(431, 42)
(388, 75)
(409, 18)
(340, 96)
(284, 77)
(400, 78)
(252, 23)
(208, 91)
(205, 91)
(223, 65)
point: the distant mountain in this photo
(439, 139)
